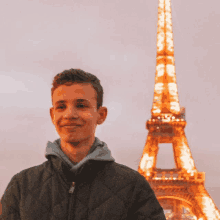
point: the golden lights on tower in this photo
(167, 126)
(165, 79)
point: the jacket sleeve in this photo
(145, 205)
(9, 204)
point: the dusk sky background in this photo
(116, 41)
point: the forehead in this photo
(75, 91)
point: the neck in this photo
(76, 151)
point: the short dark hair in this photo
(68, 77)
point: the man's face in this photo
(74, 112)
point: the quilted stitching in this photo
(107, 195)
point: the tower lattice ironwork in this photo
(181, 190)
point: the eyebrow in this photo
(64, 101)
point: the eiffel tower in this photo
(181, 190)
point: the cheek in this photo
(87, 115)
(91, 119)
(57, 119)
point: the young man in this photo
(80, 179)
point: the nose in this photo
(71, 112)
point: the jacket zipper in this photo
(71, 190)
(72, 187)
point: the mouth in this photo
(71, 126)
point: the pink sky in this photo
(115, 40)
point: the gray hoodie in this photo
(98, 151)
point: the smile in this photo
(71, 126)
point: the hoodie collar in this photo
(98, 152)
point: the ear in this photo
(52, 114)
(103, 111)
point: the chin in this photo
(74, 138)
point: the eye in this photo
(81, 106)
(60, 107)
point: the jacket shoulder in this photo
(20, 185)
(33, 177)
(124, 170)
(144, 204)
(122, 174)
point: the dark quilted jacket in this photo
(104, 190)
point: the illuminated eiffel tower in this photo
(180, 191)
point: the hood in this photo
(99, 152)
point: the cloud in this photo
(10, 85)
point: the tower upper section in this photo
(165, 90)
